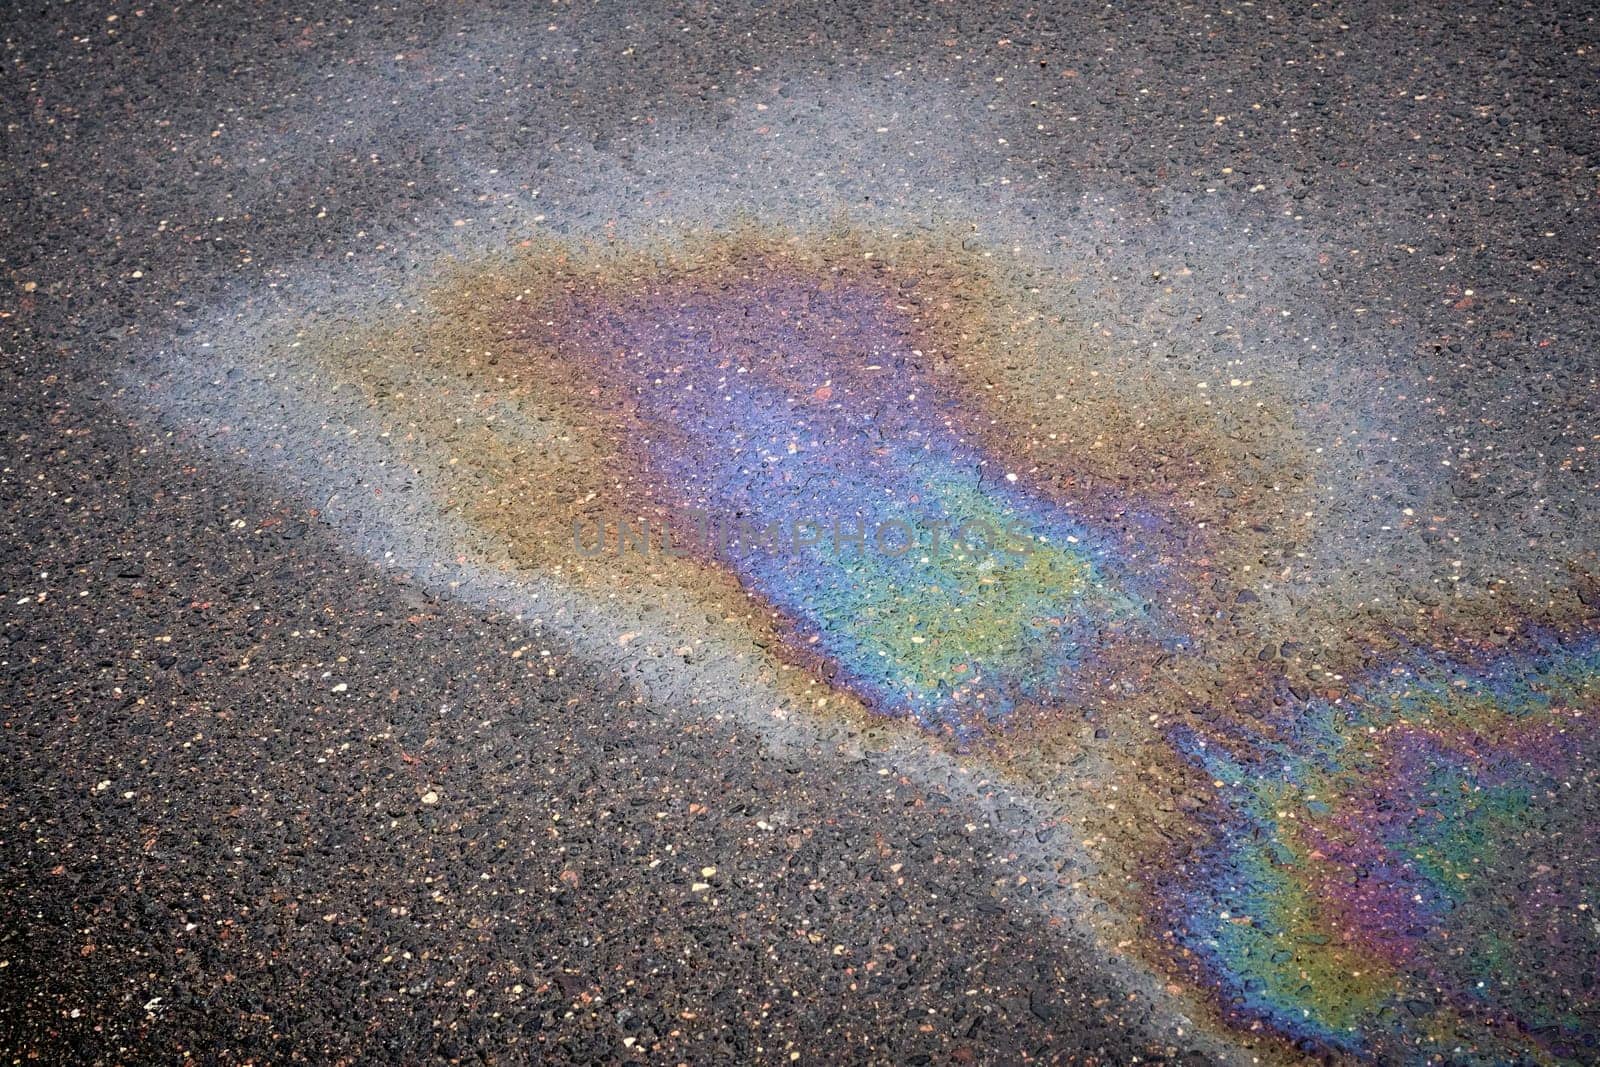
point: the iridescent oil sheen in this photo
(1408, 870)
(1385, 869)
(809, 409)
(849, 383)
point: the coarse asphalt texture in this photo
(271, 793)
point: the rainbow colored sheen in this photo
(1409, 871)
(807, 406)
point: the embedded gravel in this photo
(261, 801)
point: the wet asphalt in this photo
(261, 801)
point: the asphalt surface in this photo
(276, 785)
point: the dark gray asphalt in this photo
(208, 851)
